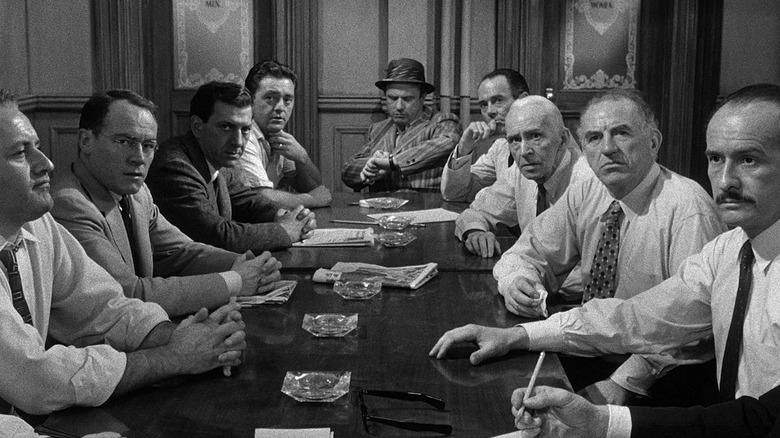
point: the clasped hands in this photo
(258, 274)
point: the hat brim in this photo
(426, 87)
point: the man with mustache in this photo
(273, 159)
(461, 180)
(629, 228)
(408, 149)
(544, 166)
(105, 204)
(727, 291)
(205, 202)
(68, 335)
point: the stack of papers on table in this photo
(330, 237)
(424, 216)
(319, 432)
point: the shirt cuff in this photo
(233, 282)
(458, 162)
(635, 375)
(545, 335)
(619, 422)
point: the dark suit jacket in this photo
(231, 217)
(744, 417)
(175, 272)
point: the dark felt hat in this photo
(407, 71)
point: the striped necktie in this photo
(8, 257)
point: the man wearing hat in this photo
(408, 150)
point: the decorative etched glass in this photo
(212, 41)
(600, 44)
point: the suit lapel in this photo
(217, 191)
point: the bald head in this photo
(537, 136)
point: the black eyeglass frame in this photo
(444, 429)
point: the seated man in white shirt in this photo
(467, 171)
(544, 166)
(274, 160)
(727, 291)
(111, 344)
(629, 228)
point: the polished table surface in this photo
(396, 329)
(435, 243)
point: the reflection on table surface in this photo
(435, 243)
(396, 329)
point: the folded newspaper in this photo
(329, 237)
(410, 277)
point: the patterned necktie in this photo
(728, 371)
(126, 208)
(603, 272)
(541, 199)
(8, 257)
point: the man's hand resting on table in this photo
(492, 342)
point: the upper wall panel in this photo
(350, 47)
(13, 46)
(60, 47)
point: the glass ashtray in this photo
(329, 324)
(383, 203)
(394, 223)
(358, 289)
(393, 239)
(316, 386)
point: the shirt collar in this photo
(213, 171)
(766, 246)
(23, 235)
(424, 116)
(559, 176)
(639, 198)
(261, 140)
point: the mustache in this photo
(732, 195)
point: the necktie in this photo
(728, 371)
(8, 257)
(126, 207)
(604, 269)
(541, 199)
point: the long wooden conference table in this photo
(387, 351)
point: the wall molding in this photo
(51, 103)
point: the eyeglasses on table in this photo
(444, 429)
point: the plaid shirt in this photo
(420, 152)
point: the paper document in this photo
(329, 237)
(410, 277)
(423, 216)
(279, 295)
(319, 432)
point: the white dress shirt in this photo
(667, 218)
(695, 303)
(78, 303)
(259, 165)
